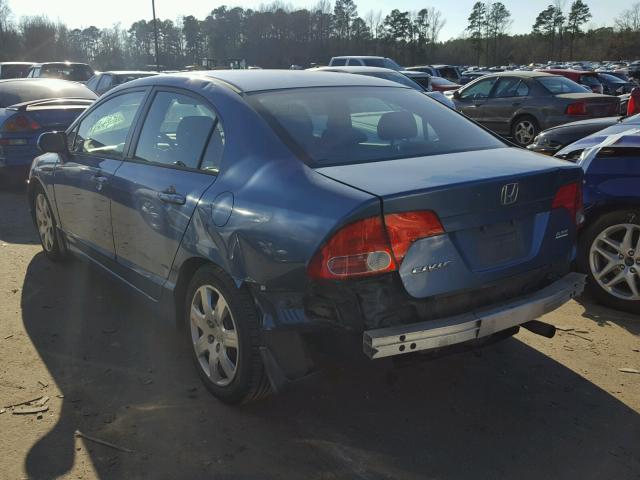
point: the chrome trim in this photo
(434, 334)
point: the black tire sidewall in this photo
(245, 317)
(584, 246)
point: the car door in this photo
(508, 96)
(82, 179)
(160, 183)
(472, 100)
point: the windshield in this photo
(611, 78)
(442, 82)
(19, 91)
(14, 71)
(382, 63)
(557, 85)
(397, 78)
(342, 125)
(76, 72)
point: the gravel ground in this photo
(526, 408)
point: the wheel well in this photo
(187, 270)
(524, 115)
(33, 187)
(597, 212)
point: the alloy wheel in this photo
(214, 335)
(524, 132)
(614, 260)
(44, 222)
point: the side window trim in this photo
(97, 104)
(129, 152)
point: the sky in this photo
(80, 14)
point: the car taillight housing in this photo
(570, 197)
(371, 246)
(577, 108)
(20, 123)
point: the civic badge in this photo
(509, 194)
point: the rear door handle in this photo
(174, 198)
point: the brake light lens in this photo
(367, 247)
(405, 228)
(20, 123)
(570, 197)
(577, 108)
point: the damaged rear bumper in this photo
(435, 334)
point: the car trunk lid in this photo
(494, 205)
(595, 105)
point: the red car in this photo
(439, 84)
(588, 79)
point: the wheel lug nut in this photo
(632, 270)
(631, 253)
(620, 267)
(620, 256)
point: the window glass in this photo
(482, 89)
(175, 130)
(104, 131)
(590, 80)
(343, 125)
(338, 62)
(354, 62)
(105, 83)
(508, 87)
(213, 154)
(76, 72)
(93, 82)
(557, 85)
(522, 90)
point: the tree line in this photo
(278, 35)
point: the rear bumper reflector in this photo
(434, 334)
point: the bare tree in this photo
(630, 19)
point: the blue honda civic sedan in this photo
(278, 215)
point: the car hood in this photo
(390, 177)
(599, 137)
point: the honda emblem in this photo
(509, 194)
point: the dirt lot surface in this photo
(526, 408)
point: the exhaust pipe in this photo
(540, 328)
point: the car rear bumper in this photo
(435, 334)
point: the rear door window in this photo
(176, 130)
(510, 87)
(338, 62)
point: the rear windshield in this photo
(343, 125)
(557, 85)
(76, 72)
(19, 91)
(14, 71)
(381, 62)
(397, 78)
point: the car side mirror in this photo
(53, 142)
(456, 94)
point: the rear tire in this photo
(524, 130)
(608, 254)
(223, 333)
(45, 222)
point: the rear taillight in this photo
(366, 247)
(570, 197)
(406, 228)
(20, 123)
(577, 108)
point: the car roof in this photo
(127, 72)
(571, 70)
(17, 63)
(246, 81)
(352, 69)
(360, 56)
(59, 63)
(38, 80)
(522, 74)
(413, 73)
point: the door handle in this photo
(174, 198)
(99, 180)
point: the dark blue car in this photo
(279, 215)
(29, 107)
(609, 246)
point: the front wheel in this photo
(223, 333)
(524, 130)
(610, 255)
(45, 222)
